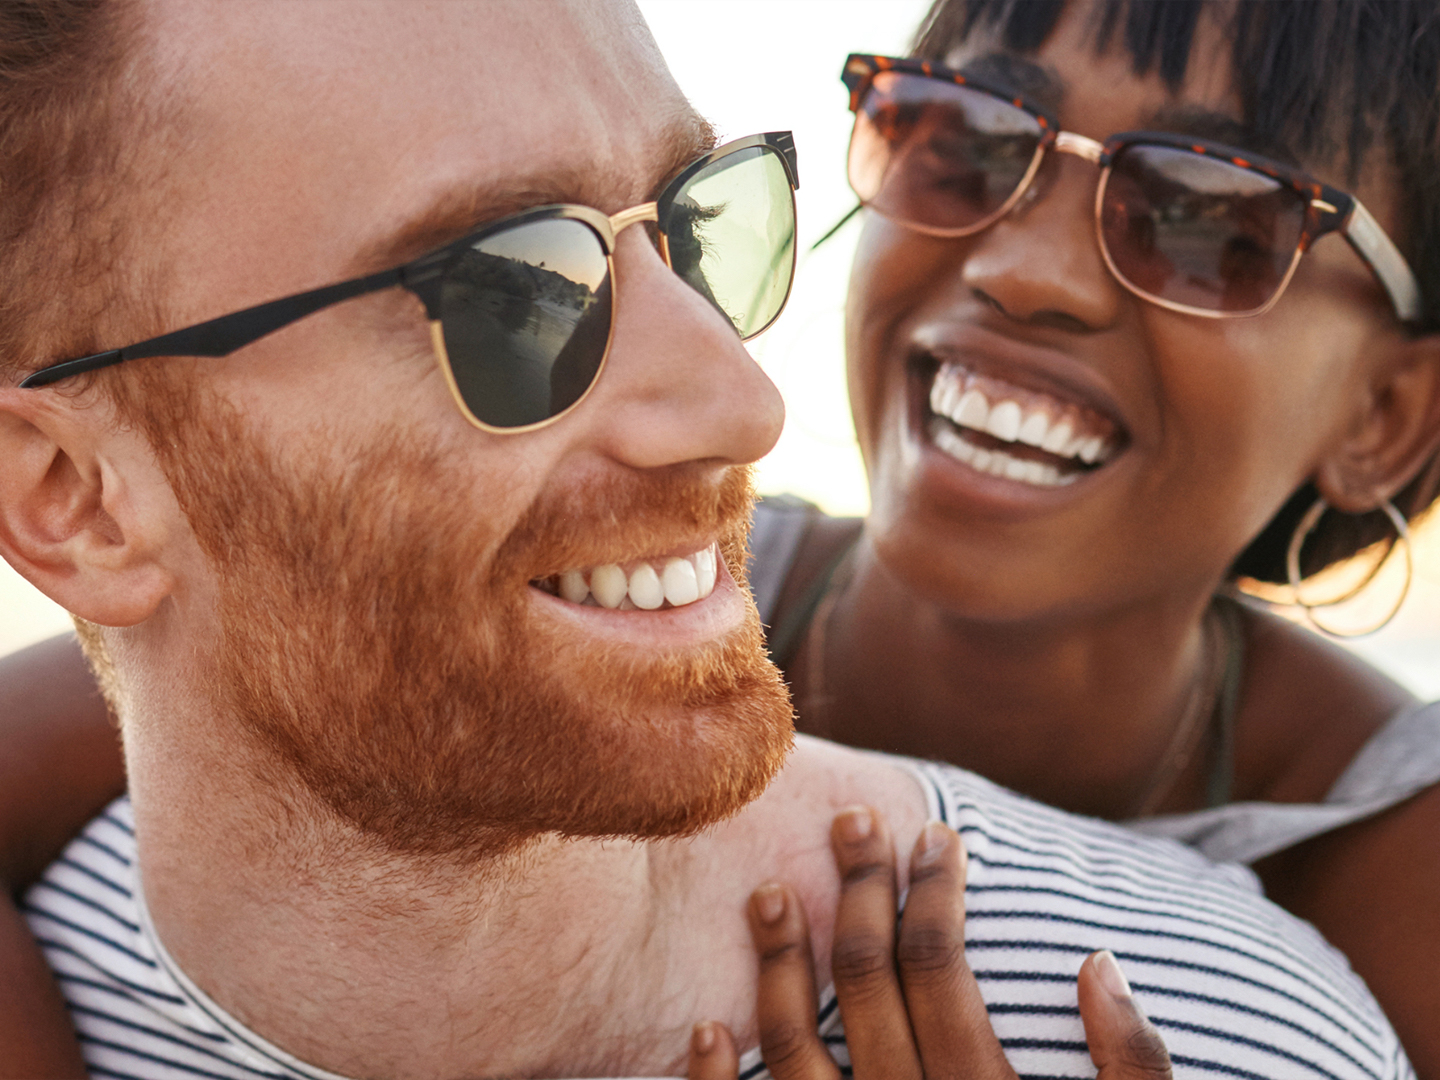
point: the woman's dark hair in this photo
(1328, 79)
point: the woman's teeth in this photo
(1013, 415)
(647, 586)
(998, 462)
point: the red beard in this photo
(369, 648)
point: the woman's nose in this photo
(1041, 262)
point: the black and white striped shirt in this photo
(1237, 988)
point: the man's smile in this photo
(646, 584)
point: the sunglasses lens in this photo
(933, 154)
(1195, 230)
(525, 315)
(730, 232)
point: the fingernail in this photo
(855, 824)
(702, 1040)
(770, 903)
(933, 839)
(1111, 977)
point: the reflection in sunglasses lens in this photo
(526, 318)
(731, 235)
(526, 312)
(1196, 230)
(936, 154)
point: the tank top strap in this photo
(777, 529)
(1400, 760)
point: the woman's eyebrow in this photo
(1039, 85)
(1218, 127)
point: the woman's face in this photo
(1199, 428)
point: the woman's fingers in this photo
(877, 1026)
(911, 1006)
(712, 1053)
(947, 1013)
(1124, 1045)
(789, 1043)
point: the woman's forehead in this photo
(1080, 74)
(1087, 78)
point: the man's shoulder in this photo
(89, 896)
(133, 1015)
(993, 818)
(1230, 979)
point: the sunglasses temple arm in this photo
(838, 225)
(1373, 245)
(222, 336)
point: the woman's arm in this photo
(37, 1041)
(59, 765)
(59, 756)
(1373, 889)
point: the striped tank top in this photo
(1237, 988)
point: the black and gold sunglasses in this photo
(522, 310)
(1190, 225)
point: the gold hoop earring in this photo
(1303, 529)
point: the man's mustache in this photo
(630, 516)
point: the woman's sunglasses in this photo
(1190, 225)
(522, 311)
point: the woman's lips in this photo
(1030, 436)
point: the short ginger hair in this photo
(68, 115)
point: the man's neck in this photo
(569, 958)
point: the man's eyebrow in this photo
(1219, 127)
(1036, 83)
(462, 210)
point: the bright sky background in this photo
(765, 65)
(768, 65)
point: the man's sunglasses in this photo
(521, 311)
(1187, 224)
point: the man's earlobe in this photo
(1394, 437)
(70, 520)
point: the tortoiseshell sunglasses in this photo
(521, 313)
(1187, 224)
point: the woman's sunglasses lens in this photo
(938, 155)
(525, 315)
(730, 233)
(1198, 231)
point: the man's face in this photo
(372, 608)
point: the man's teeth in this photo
(1053, 426)
(675, 581)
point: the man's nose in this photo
(1042, 261)
(679, 385)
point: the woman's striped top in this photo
(1237, 988)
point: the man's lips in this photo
(643, 584)
(698, 624)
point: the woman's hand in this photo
(911, 1006)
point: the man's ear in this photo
(71, 508)
(1394, 436)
